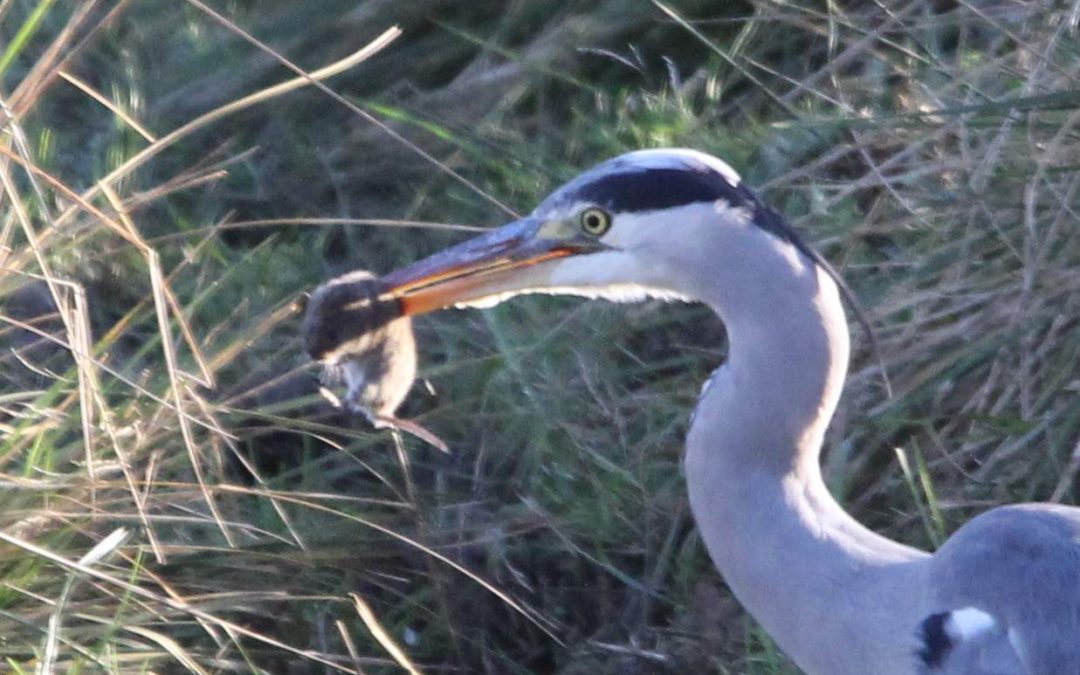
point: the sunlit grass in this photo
(154, 395)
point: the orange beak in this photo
(475, 268)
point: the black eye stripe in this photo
(650, 190)
(618, 186)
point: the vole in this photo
(363, 341)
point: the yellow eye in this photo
(595, 221)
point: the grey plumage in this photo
(1001, 597)
(1021, 566)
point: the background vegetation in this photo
(173, 494)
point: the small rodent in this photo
(364, 342)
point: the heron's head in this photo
(652, 223)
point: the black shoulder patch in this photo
(935, 640)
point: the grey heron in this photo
(1001, 596)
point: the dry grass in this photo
(174, 496)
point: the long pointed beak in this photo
(475, 268)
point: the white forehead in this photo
(680, 158)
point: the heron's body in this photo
(1001, 597)
(840, 599)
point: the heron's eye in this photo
(595, 221)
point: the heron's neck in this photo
(805, 569)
